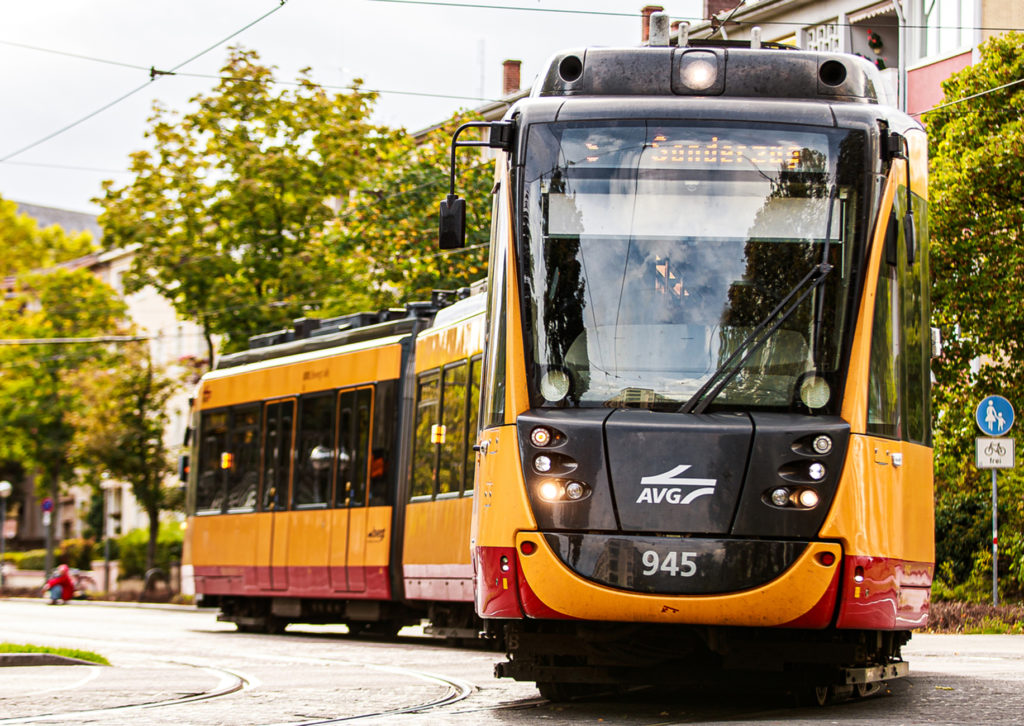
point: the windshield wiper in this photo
(732, 365)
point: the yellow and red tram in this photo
(705, 428)
(327, 460)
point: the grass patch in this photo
(67, 652)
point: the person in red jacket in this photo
(60, 587)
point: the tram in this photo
(331, 476)
(705, 430)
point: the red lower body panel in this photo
(497, 583)
(311, 582)
(879, 593)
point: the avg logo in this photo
(670, 488)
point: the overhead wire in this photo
(153, 76)
(968, 98)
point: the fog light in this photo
(540, 436)
(816, 471)
(575, 490)
(780, 497)
(542, 463)
(505, 567)
(550, 491)
(808, 498)
(822, 444)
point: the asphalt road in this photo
(182, 667)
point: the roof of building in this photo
(68, 220)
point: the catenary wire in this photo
(153, 77)
(968, 98)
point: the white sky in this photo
(391, 46)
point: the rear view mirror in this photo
(452, 223)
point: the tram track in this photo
(232, 682)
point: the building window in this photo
(948, 26)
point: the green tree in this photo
(385, 240)
(24, 246)
(226, 211)
(37, 403)
(977, 218)
(121, 428)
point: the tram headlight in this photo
(822, 444)
(550, 491)
(542, 463)
(540, 436)
(816, 471)
(575, 490)
(815, 391)
(808, 498)
(698, 70)
(780, 497)
(554, 385)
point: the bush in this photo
(32, 560)
(133, 545)
(77, 553)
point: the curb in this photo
(40, 659)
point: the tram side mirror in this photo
(183, 467)
(452, 234)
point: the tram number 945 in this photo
(679, 564)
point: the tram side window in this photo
(385, 413)
(211, 482)
(424, 459)
(277, 454)
(452, 434)
(354, 415)
(315, 451)
(472, 429)
(243, 461)
(916, 334)
(494, 372)
(883, 378)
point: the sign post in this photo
(994, 417)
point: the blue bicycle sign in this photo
(994, 416)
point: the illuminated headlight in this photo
(816, 471)
(808, 498)
(540, 436)
(822, 444)
(780, 497)
(575, 490)
(698, 71)
(542, 463)
(550, 491)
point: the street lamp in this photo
(5, 491)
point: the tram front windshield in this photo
(651, 251)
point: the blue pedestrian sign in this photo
(994, 416)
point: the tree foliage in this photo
(38, 398)
(121, 429)
(385, 240)
(225, 212)
(24, 246)
(977, 219)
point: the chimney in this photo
(648, 10)
(714, 7)
(510, 77)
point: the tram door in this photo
(272, 538)
(348, 536)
